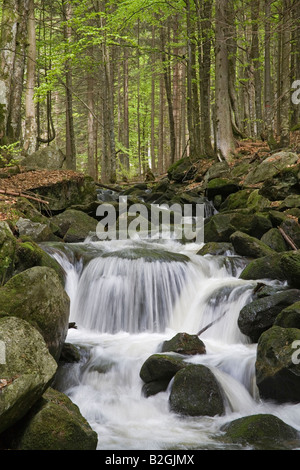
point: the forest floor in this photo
(16, 182)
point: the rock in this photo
(282, 184)
(68, 192)
(261, 432)
(274, 240)
(184, 343)
(36, 231)
(7, 252)
(196, 392)
(74, 226)
(181, 170)
(281, 266)
(29, 254)
(53, 423)
(221, 226)
(289, 317)
(50, 158)
(27, 371)
(216, 248)
(221, 186)
(292, 228)
(277, 365)
(149, 256)
(259, 315)
(270, 167)
(245, 199)
(245, 245)
(38, 296)
(158, 370)
(290, 202)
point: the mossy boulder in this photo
(196, 392)
(274, 240)
(216, 248)
(35, 230)
(281, 266)
(158, 370)
(277, 364)
(270, 166)
(221, 186)
(26, 370)
(252, 247)
(37, 295)
(245, 199)
(261, 432)
(53, 423)
(289, 317)
(259, 315)
(149, 256)
(181, 170)
(7, 252)
(74, 226)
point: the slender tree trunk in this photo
(161, 166)
(286, 84)
(225, 145)
(295, 118)
(267, 79)
(30, 138)
(126, 107)
(255, 5)
(91, 128)
(70, 134)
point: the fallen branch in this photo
(19, 194)
(288, 239)
(210, 324)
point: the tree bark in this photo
(267, 78)
(30, 138)
(225, 145)
(286, 84)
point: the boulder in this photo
(7, 252)
(280, 266)
(245, 245)
(221, 186)
(26, 370)
(221, 226)
(196, 392)
(245, 199)
(74, 226)
(274, 240)
(270, 166)
(183, 343)
(150, 256)
(182, 170)
(259, 315)
(158, 370)
(68, 192)
(35, 230)
(37, 295)
(289, 317)
(216, 248)
(278, 365)
(50, 158)
(281, 185)
(53, 423)
(261, 432)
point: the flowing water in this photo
(124, 308)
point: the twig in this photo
(210, 324)
(288, 239)
(19, 194)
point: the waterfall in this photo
(126, 300)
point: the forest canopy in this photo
(126, 85)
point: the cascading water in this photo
(124, 307)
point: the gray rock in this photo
(50, 158)
(36, 231)
(26, 369)
(245, 245)
(7, 252)
(270, 166)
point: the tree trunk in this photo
(286, 84)
(30, 138)
(269, 136)
(91, 128)
(256, 64)
(70, 134)
(225, 145)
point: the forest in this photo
(124, 86)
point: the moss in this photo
(149, 256)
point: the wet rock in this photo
(216, 248)
(259, 315)
(277, 364)
(245, 245)
(25, 373)
(183, 343)
(195, 392)
(38, 296)
(261, 432)
(53, 423)
(158, 370)
(289, 317)
(148, 255)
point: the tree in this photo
(225, 145)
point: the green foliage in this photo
(9, 154)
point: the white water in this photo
(124, 309)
